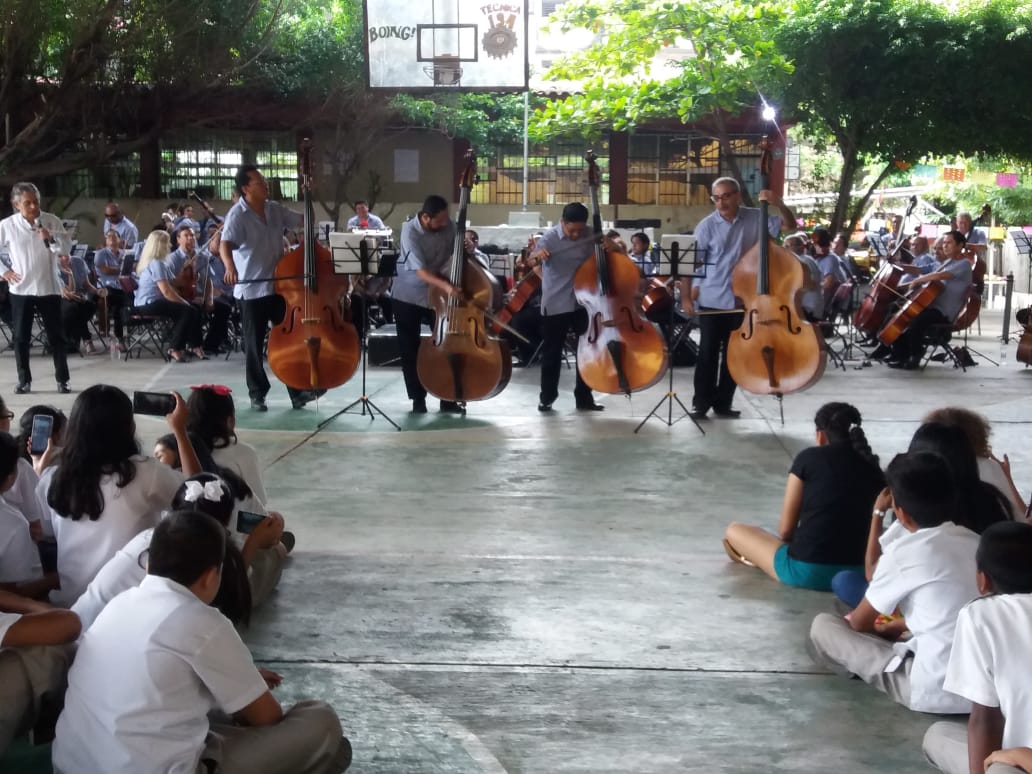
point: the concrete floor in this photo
(513, 592)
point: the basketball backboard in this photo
(446, 44)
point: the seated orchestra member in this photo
(364, 219)
(115, 221)
(471, 245)
(974, 240)
(185, 217)
(813, 296)
(923, 262)
(108, 264)
(840, 249)
(78, 303)
(833, 273)
(825, 514)
(641, 254)
(216, 338)
(956, 273)
(157, 296)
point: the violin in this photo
(621, 351)
(525, 290)
(775, 350)
(314, 347)
(461, 361)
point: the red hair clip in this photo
(218, 389)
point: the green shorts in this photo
(807, 575)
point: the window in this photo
(207, 163)
(557, 174)
(116, 179)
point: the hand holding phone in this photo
(247, 521)
(155, 404)
(42, 427)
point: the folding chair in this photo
(937, 341)
(144, 333)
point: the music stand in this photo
(359, 254)
(672, 248)
(1023, 242)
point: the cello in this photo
(314, 347)
(461, 361)
(875, 305)
(621, 351)
(775, 350)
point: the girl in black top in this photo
(826, 512)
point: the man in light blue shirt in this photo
(427, 246)
(562, 249)
(114, 219)
(721, 238)
(364, 219)
(251, 247)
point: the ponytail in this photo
(841, 422)
(234, 596)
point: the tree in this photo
(628, 77)
(84, 81)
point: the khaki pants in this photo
(28, 676)
(265, 573)
(308, 740)
(835, 645)
(945, 746)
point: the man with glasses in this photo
(721, 238)
(114, 220)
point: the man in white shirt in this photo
(928, 573)
(159, 658)
(989, 661)
(114, 220)
(35, 240)
(364, 219)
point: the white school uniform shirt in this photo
(242, 459)
(30, 255)
(930, 576)
(84, 546)
(146, 674)
(989, 663)
(7, 620)
(23, 494)
(123, 571)
(19, 557)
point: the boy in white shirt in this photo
(158, 659)
(33, 661)
(20, 568)
(989, 663)
(928, 573)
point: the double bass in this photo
(621, 351)
(314, 347)
(461, 361)
(775, 351)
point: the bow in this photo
(218, 389)
(210, 490)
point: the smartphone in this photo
(247, 521)
(156, 404)
(42, 427)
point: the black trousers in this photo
(218, 326)
(714, 387)
(554, 328)
(117, 303)
(49, 308)
(408, 320)
(256, 315)
(75, 320)
(186, 331)
(910, 344)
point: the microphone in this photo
(39, 230)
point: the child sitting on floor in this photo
(20, 568)
(827, 505)
(158, 659)
(928, 573)
(32, 662)
(989, 661)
